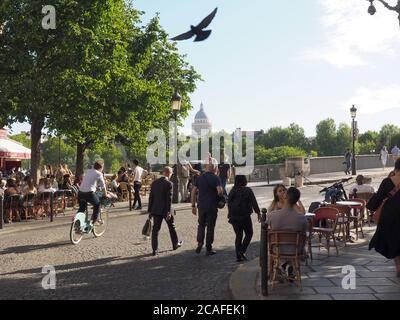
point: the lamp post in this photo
(372, 9)
(176, 103)
(353, 112)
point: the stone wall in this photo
(335, 164)
(308, 166)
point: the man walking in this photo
(160, 209)
(347, 156)
(209, 187)
(183, 177)
(395, 153)
(138, 173)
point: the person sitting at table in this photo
(360, 187)
(46, 186)
(11, 188)
(114, 186)
(288, 219)
(279, 200)
(2, 187)
(122, 176)
(53, 182)
(67, 170)
(29, 187)
(67, 183)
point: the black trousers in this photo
(207, 219)
(136, 187)
(91, 197)
(157, 221)
(245, 226)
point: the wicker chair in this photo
(286, 246)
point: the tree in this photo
(387, 132)
(123, 87)
(344, 139)
(276, 155)
(53, 147)
(326, 137)
(292, 136)
(22, 138)
(32, 61)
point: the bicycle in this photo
(81, 224)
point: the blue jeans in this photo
(92, 198)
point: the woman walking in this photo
(384, 156)
(386, 239)
(241, 204)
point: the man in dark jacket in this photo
(209, 187)
(160, 208)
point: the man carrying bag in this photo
(160, 209)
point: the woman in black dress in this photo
(386, 240)
(241, 203)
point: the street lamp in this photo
(176, 103)
(372, 9)
(353, 113)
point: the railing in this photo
(264, 254)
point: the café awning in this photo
(11, 149)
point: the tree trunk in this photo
(80, 154)
(36, 135)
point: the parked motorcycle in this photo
(333, 194)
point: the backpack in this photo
(236, 199)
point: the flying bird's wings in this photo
(207, 21)
(202, 36)
(184, 36)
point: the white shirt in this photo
(138, 174)
(364, 188)
(384, 154)
(396, 151)
(92, 180)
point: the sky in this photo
(271, 63)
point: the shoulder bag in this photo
(378, 212)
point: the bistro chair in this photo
(343, 222)
(366, 196)
(358, 217)
(29, 208)
(45, 203)
(286, 247)
(124, 195)
(12, 207)
(330, 217)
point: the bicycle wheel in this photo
(100, 226)
(76, 234)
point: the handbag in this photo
(146, 231)
(378, 212)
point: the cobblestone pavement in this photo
(119, 265)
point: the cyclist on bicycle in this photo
(92, 180)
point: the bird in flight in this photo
(198, 31)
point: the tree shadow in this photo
(180, 275)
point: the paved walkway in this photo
(375, 277)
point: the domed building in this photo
(201, 125)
